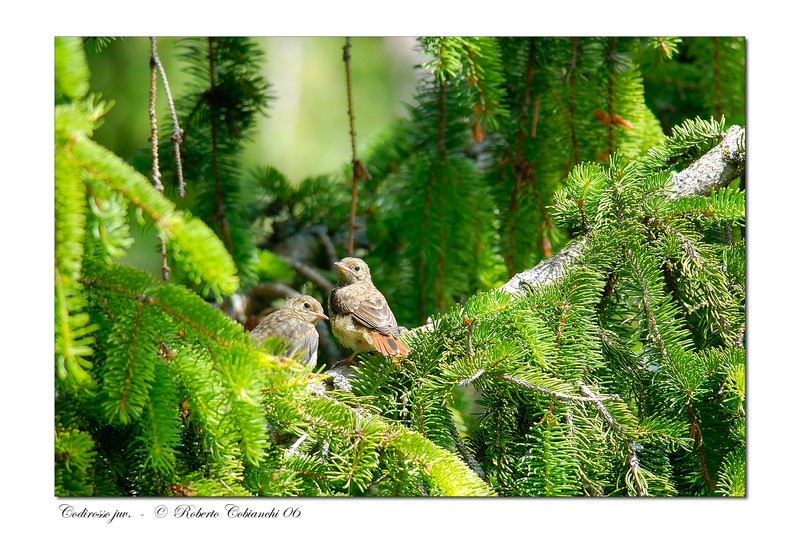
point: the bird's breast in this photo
(349, 334)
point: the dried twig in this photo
(177, 132)
(165, 270)
(359, 170)
(591, 398)
(176, 138)
(154, 119)
(293, 448)
(154, 148)
(468, 457)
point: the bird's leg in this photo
(361, 347)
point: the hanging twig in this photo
(154, 144)
(359, 170)
(177, 132)
(164, 264)
(154, 119)
(176, 138)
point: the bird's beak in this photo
(321, 316)
(342, 266)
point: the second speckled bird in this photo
(295, 324)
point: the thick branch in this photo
(717, 168)
(311, 274)
(273, 290)
(547, 270)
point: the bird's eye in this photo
(357, 268)
(307, 305)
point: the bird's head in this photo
(308, 307)
(352, 270)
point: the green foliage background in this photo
(623, 377)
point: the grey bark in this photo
(716, 168)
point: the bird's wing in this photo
(367, 308)
(299, 336)
(305, 342)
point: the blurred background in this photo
(306, 131)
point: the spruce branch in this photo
(697, 435)
(589, 398)
(462, 448)
(598, 401)
(718, 167)
(522, 167)
(633, 447)
(220, 216)
(648, 304)
(715, 169)
(368, 432)
(201, 250)
(214, 326)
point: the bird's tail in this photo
(388, 345)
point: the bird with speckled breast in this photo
(360, 315)
(294, 323)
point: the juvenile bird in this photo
(360, 315)
(294, 324)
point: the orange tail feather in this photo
(388, 345)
